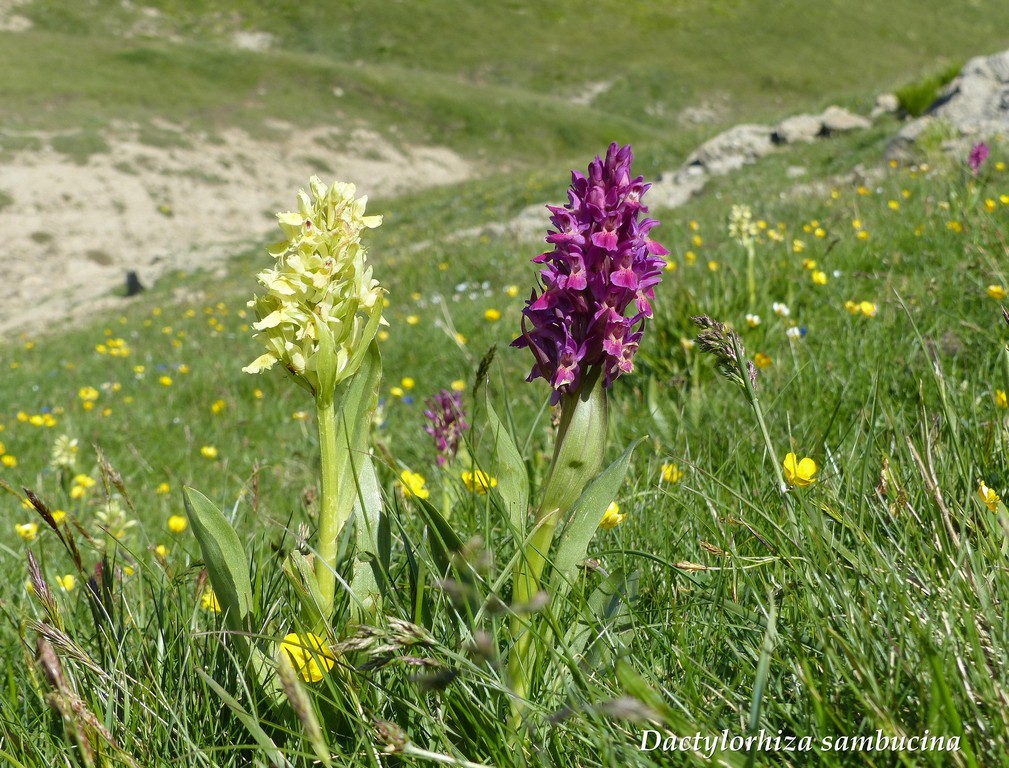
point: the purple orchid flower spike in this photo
(447, 422)
(599, 280)
(978, 154)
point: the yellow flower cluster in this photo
(320, 284)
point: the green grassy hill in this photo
(498, 81)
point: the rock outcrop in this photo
(745, 144)
(974, 105)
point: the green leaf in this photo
(605, 609)
(372, 547)
(585, 516)
(249, 720)
(302, 578)
(356, 400)
(443, 539)
(224, 557)
(512, 478)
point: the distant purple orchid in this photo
(978, 154)
(447, 423)
(603, 260)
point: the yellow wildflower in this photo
(479, 482)
(413, 484)
(209, 602)
(819, 277)
(671, 473)
(997, 292)
(613, 516)
(492, 315)
(798, 472)
(867, 308)
(163, 488)
(1000, 399)
(762, 361)
(27, 531)
(458, 385)
(308, 655)
(67, 583)
(88, 393)
(208, 452)
(989, 497)
(177, 523)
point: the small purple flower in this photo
(603, 262)
(447, 423)
(978, 154)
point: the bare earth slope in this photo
(71, 230)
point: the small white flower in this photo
(794, 333)
(752, 320)
(780, 309)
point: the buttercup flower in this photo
(671, 473)
(613, 516)
(603, 262)
(797, 472)
(321, 284)
(177, 523)
(997, 292)
(1001, 400)
(413, 484)
(209, 602)
(27, 531)
(989, 497)
(308, 655)
(446, 423)
(479, 482)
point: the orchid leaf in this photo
(224, 558)
(513, 480)
(585, 516)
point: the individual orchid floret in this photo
(446, 423)
(322, 308)
(599, 280)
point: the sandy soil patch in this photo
(71, 231)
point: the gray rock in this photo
(839, 120)
(798, 128)
(674, 189)
(732, 149)
(975, 104)
(886, 104)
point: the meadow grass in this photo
(877, 609)
(503, 83)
